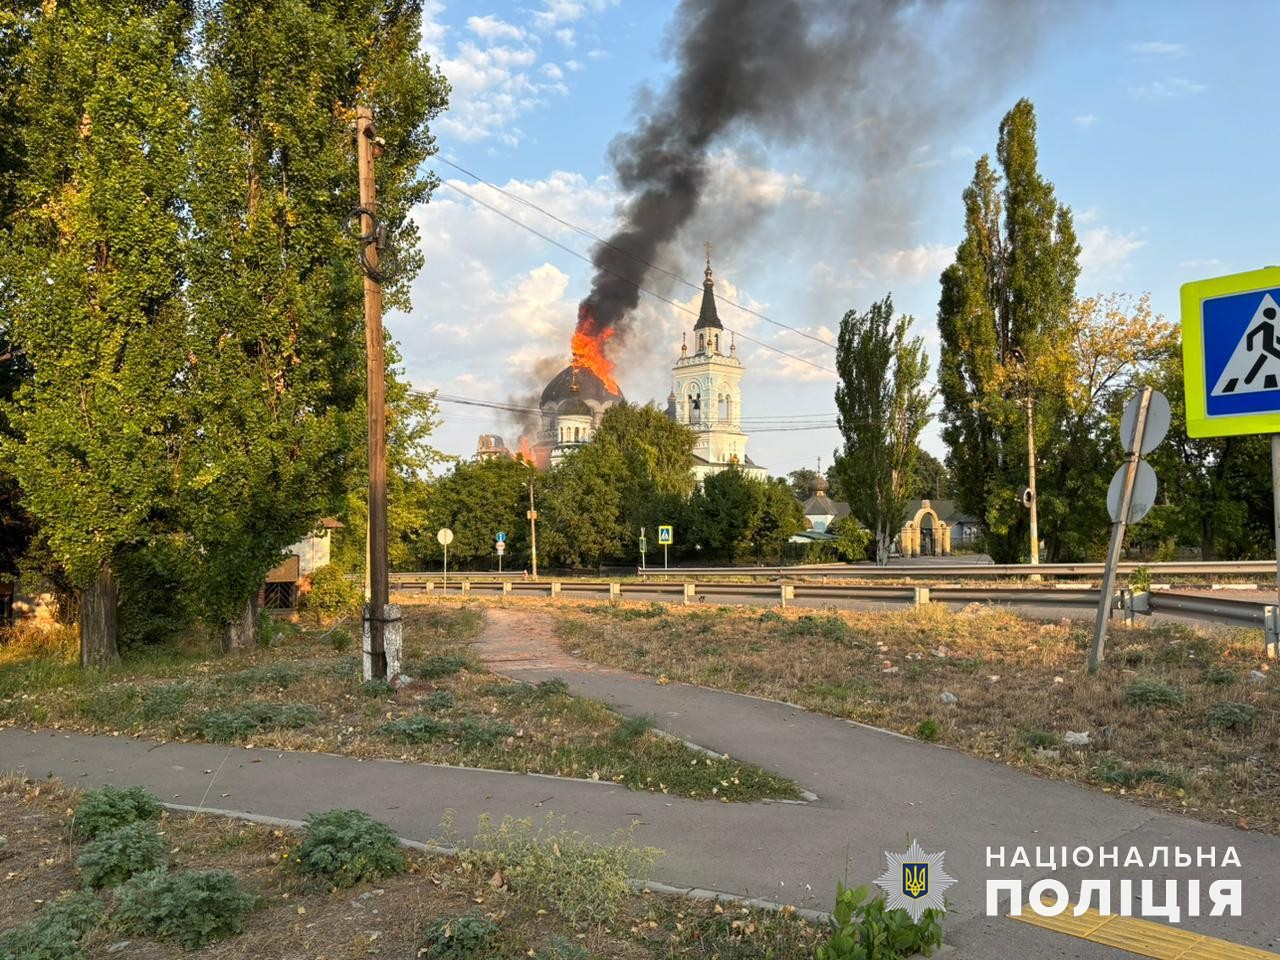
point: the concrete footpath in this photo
(876, 790)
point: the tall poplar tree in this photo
(92, 275)
(881, 407)
(277, 367)
(1004, 307)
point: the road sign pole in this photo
(446, 568)
(664, 556)
(1117, 534)
(1275, 501)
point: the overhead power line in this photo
(657, 296)
(627, 253)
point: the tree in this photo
(92, 277)
(801, 482)
(276, 375)
(881, 409)
(929, 478)
(655, 454)
(852, 539)
(1004, 308)
(475, 500)
(738, 518)
(581, 510)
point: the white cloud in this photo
(574, 66)
(597, 54)
(551, 71)
(565, 36)
(1158, 48)
(960, 151)
(433, 31)
(1103, 247)
(925, 261)
(491, 28)
(1085, 120)
(1167, 89)
(557, 12)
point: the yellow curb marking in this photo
(1143, 937)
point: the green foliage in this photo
(1108, 768)
(862, 929)
(344, 847)
(412, 729)
(928, 730)
(1228, 715)
(632, 728)
(439, 665)
(882, 406)
(1039, 739)
(829, 626)
(56, 932)
(339, 640)
(1008, 295)
(558, 948)
(331, 593)
(1218, 676)
(481, 731)
(165, 701)
(580, 878)
(275, 675)
(109, 808)
(192, 907)
(739, 518)
(528, 692)
(113, 857)
(852, 539)
(377, 688)
(243, 720)
(437, 701)
(465, 937)
(1146, 692)
(1140, 579)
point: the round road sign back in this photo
(1158, 419)
(1144, 493)
(445, 536)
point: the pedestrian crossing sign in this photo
(1231, 354)
(664, 535)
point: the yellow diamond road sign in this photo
(1231, 354)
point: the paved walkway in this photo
(875, 790)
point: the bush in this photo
(1231, 716)
(440, 665)
(193, 907)
(278, 675)
(1039, 739)
(339, 639)
(331, 593)
(558, 948)
(632, 728)
(458, 938)
(165, 701)
(343, 847)
(582, 879)
(376, 687)
(1152, 693)
(222, 726)
(415, 729)
(1111, 769)
(828, 626)
(927, 730)
(113, 857)
(439, 700)
(1218, 676)
(54, 934)
(863, 929)
(481, 732)
(108, 808)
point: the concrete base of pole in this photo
(392, 642)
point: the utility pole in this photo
(1031, 473)
(533, 524)
(368, 147)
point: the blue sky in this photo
(1156, 124)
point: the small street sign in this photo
(1142, 498)
(1231, 354)
(664, 535)
(501, 545)
(1159, 416)
(445, 536)
(500, 537)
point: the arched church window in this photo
(702, 343)
(722, 408)
(717, 343)
(695, 407)
(576, 437)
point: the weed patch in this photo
(191, 907)
(1152, 693)
(414, 729)
(1231, 716)
(109, 808)
(344, 847)
(463, 937)
(56, 933)
(113, 857)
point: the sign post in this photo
(664, 538)
(445, 536)
(643, 545)
(1231, 371)
(1130, 497)
(500, 544)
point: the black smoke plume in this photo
(862, 81)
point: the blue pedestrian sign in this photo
(664, 535)
(1231, 354)
(501, 537)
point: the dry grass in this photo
(299, 921)
(483, 720)
(1019, 685)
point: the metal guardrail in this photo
(978, 570)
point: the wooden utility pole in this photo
(367, 148)
(1031, 480)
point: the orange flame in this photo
(588, 349)
(526, 451)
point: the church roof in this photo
(707, 316)
(820, 505)
(575, 406)
(590, 387)
(947, 510)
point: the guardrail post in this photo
(615, 592)
(1271, 631)
(555, 588)
(689, 593)
(506, 587)
(921, 596)
(787, 592)
(429, 587)
(466, 587)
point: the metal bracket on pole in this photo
(788, 592)
(1271, 631)
(688, 592)
(555, 588)
(615, 592)
(921, 596)
(506, 587)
